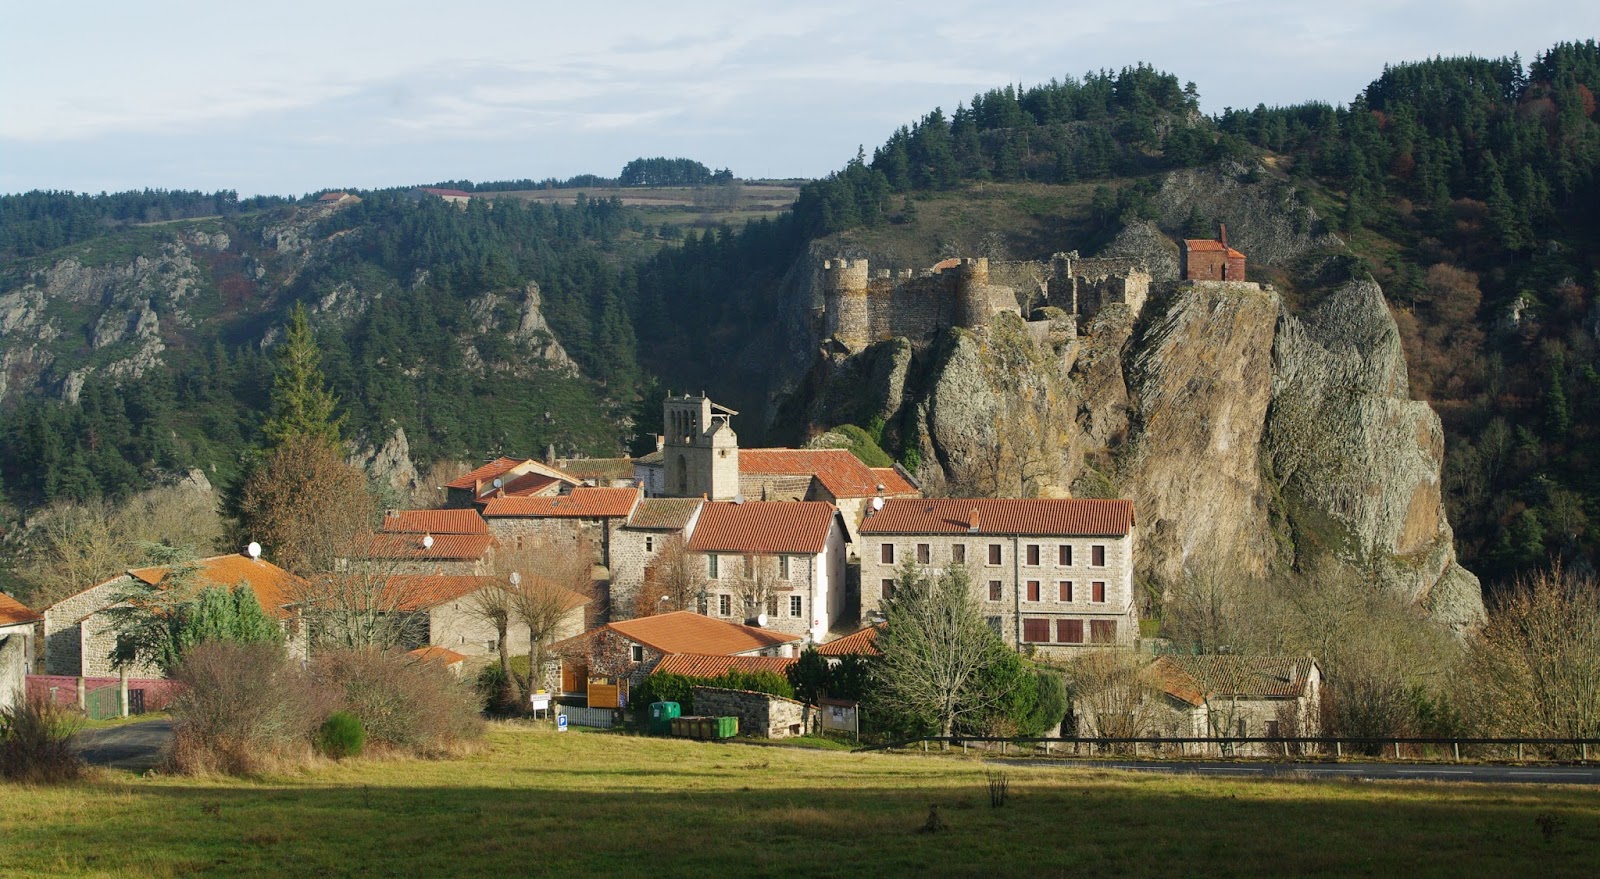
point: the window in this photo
(1036, 630)
(1069, 631)
(1097, 556)
(638, 653)
(1103, 631)
(724, 605)
(924, 556)
(1033, 591)
(1065, 555)
(886, 553)
(958, 553)
(1098, 593)
(1033, 555)
(783, 568)
(994, 553)
(519, 542)
(794, 605)
(1066, 590)
(749, 566)
(995, 593)
(888, 589)
(1272, 729)
(649, 543)
(1244, 728)
(711, 566)
(994, 625)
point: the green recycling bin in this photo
(661, 715)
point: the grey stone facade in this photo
(701, 451)
(760, 715)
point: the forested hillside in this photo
(1467, 187)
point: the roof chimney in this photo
(1224, 236)
(972, 522)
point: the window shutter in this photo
(1099, 593)
(1099, 556)
(1069, 631)
(1066, 590)
(1066, 554)
(1033, 590)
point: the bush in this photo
(244, 708)
(35, 743)
(341, 735)
(402, 703)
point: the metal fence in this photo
(144, 694)
(1390, 747)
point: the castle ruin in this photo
(861, 306)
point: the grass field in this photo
(588, 803)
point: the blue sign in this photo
(561, 723)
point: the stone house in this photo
(594, 513)
(1244, 696)
(451, 521)
(395, 552)
(791, 554)
(77, 631)
(654, 524)
(444, 614)
(1053, 575)
(1205, 259)
(649, 471)
(599, 472)
(507, 477)
(602, 663)
(833, 476)
(17, 623)
(761, 715)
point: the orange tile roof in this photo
(1209, 245)
(274, 587)
(582, 503)
(1031, 516)
(700, 665)
(424, 591)
(893, 483)
(435, 522)
(15, 613)
(862, 642)
(486, 473)
(763, 527)
(840, 472)
(437, 654)
(526, 485)
(684, 631)
(453, 547)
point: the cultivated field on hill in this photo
(588, 803)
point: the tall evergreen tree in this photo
(302, 406)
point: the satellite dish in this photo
(738, 498)
(761, 620)
(427, 541)
(499, 483)
(516, 579)
(253, 550)
(877, 504)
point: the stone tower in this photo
(973, 307)
(701, 452)
(844, 291)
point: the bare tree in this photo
(1535, 666)
(757, 586)
(307, 506)
(555, 579)
(1113, 696)
(935, 645)
(673, 580)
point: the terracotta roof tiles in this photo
(688, 632)
(1090, 517)
(274, 587)
(442, 655)
(486, 473)
(582, 503)
(893, 483)
(15, 613)
(840, 472)
(699, 665)
(862, 642)
(765, 527)
(452, 547)
(1195, 678)
(435, 522)
(1209, 245)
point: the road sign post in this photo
(561, 723)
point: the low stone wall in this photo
(760, 715)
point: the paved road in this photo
(135, 746)
(1413, 772)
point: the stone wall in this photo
(63, 642)
(760, 715)
(632, 550)
(14, 662)
(801, 582)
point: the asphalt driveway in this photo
(134, 746)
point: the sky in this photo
(293, 97)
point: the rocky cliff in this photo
(1251, 439)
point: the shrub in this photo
(341, 735)
(35, 742)
(244, 708)
(402, 703)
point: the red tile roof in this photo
(435, 522)
(424, 591)
(526, 485)
(1031, 516)
(15, 613)
(453, 547)
(893, 483)
(1194, 678)
(486, 473)
(684, 631)
(331, 196)
(862, 642)
(763, 527)
(840, 472)
(1209, 245)
(442, 655)
(273, 586)
(582, 503)
(699, 665)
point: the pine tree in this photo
(301, 404)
